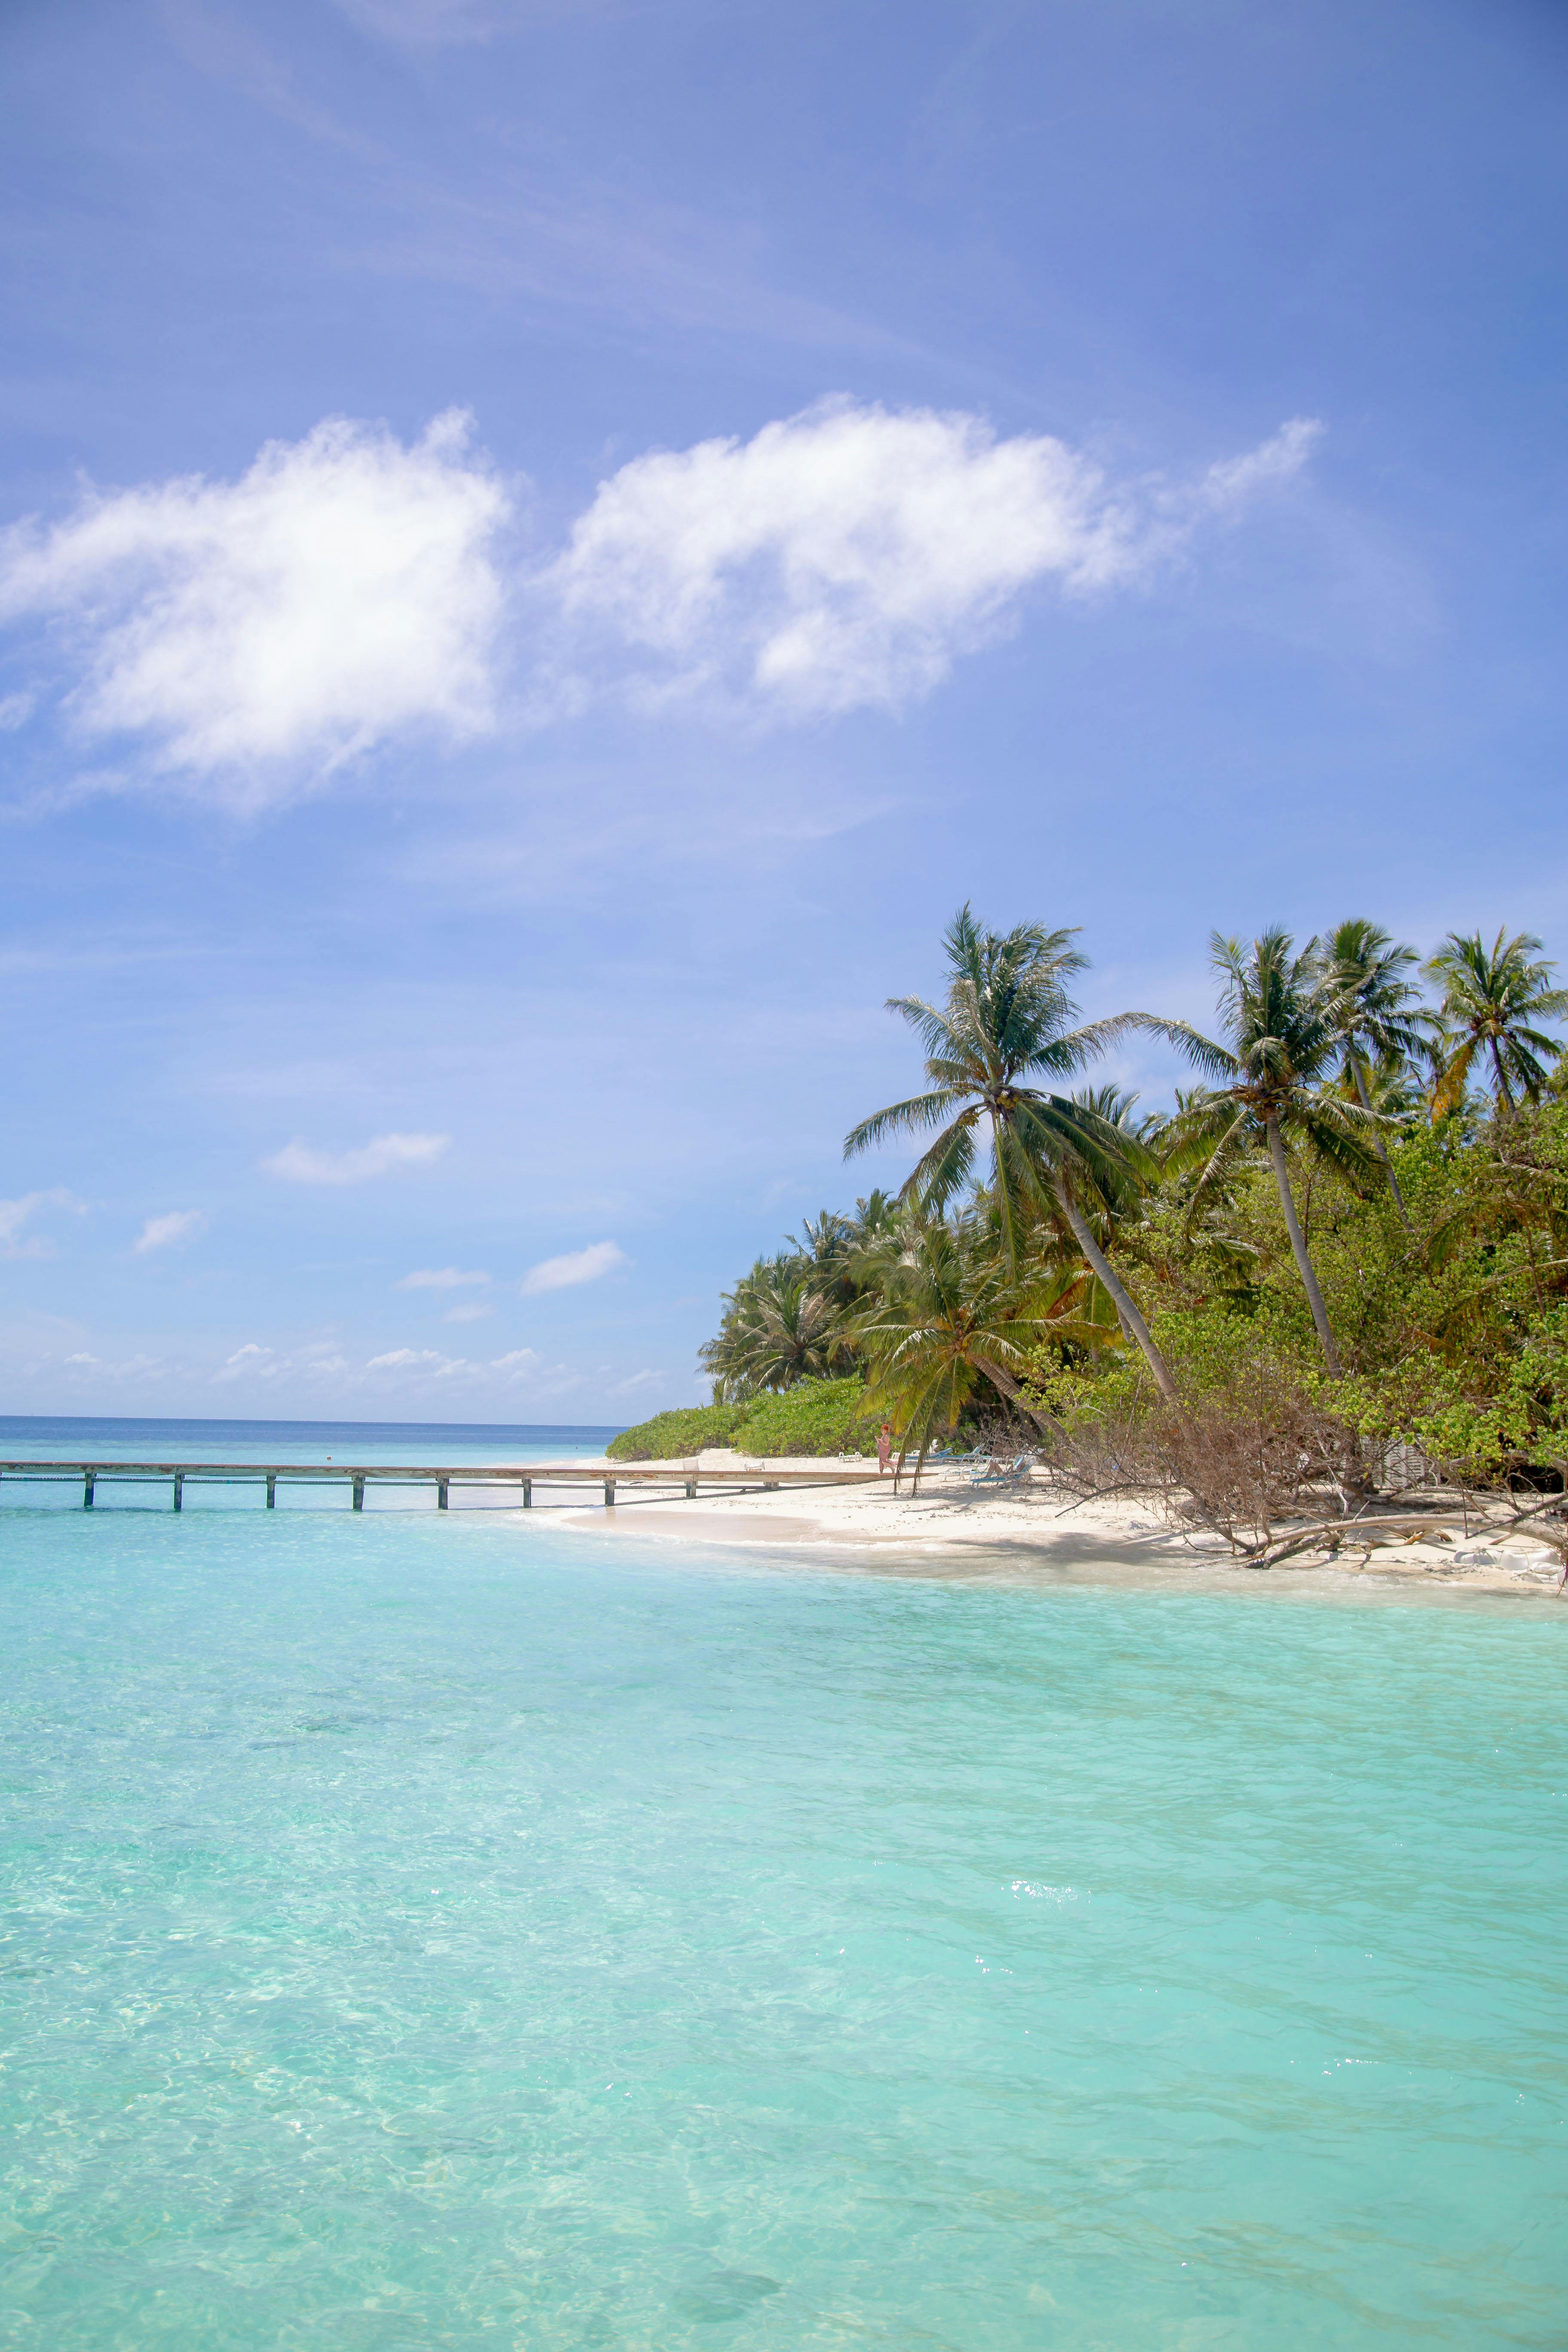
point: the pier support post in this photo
(358, 1490)
(609, 1493)
(272, 1490)
(179, 1490)
(87, 1487)
(441, 1487)
(528, 1494)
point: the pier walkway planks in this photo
(443, 1478)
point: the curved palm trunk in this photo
(1002, 1379)
(1133, 1323)
(1378, 1144)
(1502, 1084)
(1297, 1242)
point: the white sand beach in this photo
(949, 1514)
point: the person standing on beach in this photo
(884, 1448)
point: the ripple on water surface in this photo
(445, 1932)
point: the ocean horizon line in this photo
(39, 1423)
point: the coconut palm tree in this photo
(1379, 1014)
(1282, 1016)
(949, 1309)
(1493, 1000)
(777, 1329)
(1007, 1019)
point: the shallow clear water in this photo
(457, 1931)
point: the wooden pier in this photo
(641, 1478)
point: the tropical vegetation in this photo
(1343, 1246)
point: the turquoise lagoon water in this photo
(458, 1931)
(362, 1444)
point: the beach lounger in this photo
(993, 1473)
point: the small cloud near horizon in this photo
(441, 1278)
(575, 1267)
(161, 1233)
(473, 1310)
(301, 1163)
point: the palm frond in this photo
(899, 1118)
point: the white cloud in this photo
(421, 1360)
(178, 1225)
(517, 1360)
(473, 1312)
(847, 555)
(251, 1357)
(263, 631)
(259, 633)
(16, 709)
(15, 1214)
(300, 1163)
(576, 1265)
(440, 1277)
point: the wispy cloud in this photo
(441, 1278)
(161, 1233)
(15, 1214)
(473, 1312)
(300, 1163)
(848, 555)
(424, 1359)
(261, 632)
(576, 1265)
(320, 1370)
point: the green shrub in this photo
(813, 1417)
(672, 1436)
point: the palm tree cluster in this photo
(1033, 1211)
(791, 1319)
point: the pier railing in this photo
(357, 1476)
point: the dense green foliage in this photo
(1452, 1326)
(672, 1436)
(1334, 1228)
(812, 1416)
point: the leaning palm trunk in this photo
(1381, 1147)
(1299, 1244)
(1002, 1380)
(1132, 1322)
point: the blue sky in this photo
(549, 546)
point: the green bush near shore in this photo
(813, 1417)
(669, 1436)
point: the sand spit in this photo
(951, 1514)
